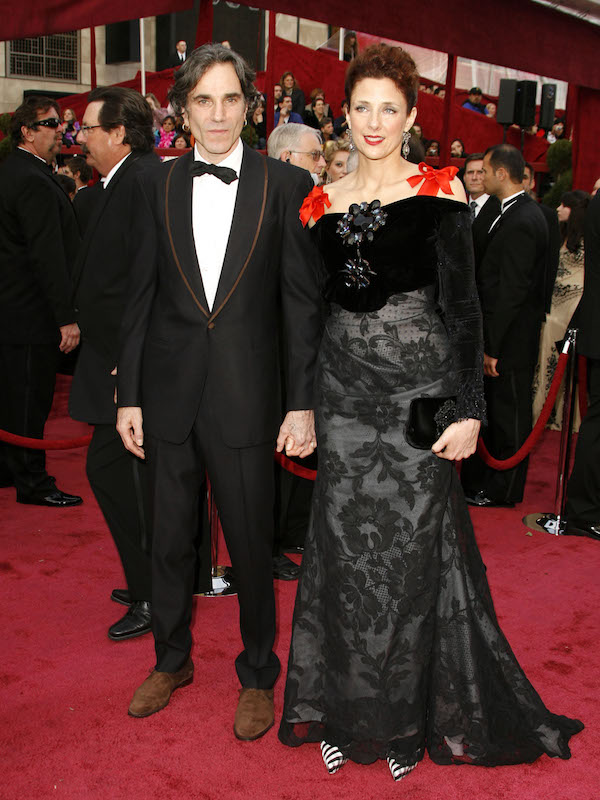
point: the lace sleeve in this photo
(459, 302)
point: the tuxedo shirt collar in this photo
(39, 158)
(508, 201)
(114, 170)
(233, 160)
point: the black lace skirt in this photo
(395, 645)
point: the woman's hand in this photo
(458, 441)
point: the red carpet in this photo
(65, 686)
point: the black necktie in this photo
(473, 206)
(224, 174)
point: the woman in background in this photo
(566, 294)
(336, 160)
(291, 88)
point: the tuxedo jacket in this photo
(511, 282)
(174, 349)
(587, 314)
(39, 240)
(481, 225)
(84, 203)
(100, 281)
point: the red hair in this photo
(384, 61)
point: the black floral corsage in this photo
(356, 227)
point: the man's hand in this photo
(69, 337)
(129, 427)
(297, 434)
(458, 441)
(489, 366)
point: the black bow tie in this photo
(224, 174)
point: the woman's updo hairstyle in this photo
(384, 61)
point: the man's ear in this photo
(285, 155)
(118, 134)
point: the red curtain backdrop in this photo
(513, 33)
(586, 140)
(42, 17)
(314, 68)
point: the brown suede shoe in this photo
(155, 692)
(254, 714)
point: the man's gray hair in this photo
(287, 137)
(201, 60)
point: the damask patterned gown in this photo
(395, 645)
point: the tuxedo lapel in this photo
(178, 217)
(96, 216)
(245, 227)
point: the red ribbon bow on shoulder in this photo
(314, 205)
(433, 179)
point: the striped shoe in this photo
(332, 758)
(397, 771)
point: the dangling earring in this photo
(351, 140)
(406, 144)
(185, 127)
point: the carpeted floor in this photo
(65, 687)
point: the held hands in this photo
(129, 428)
(490, 366)
(458, 441)
(297, 434)
(69, 337)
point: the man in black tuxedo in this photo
(223, 264)
(485, 208)
(180, 55)
(38, 246)
(511, 283)
(583, 490)
(116, 136)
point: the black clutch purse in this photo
(427, 419)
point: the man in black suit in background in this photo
(223, 261)
(116, 135)
(38, 246)
(583, 490)
(484, 207)
(180, 55)
(511, 281)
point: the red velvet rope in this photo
(44, 444)
(538, 428)
(311, 474)
(295, 469)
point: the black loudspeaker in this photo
(505, 113)
(547, 106)
(525, 103)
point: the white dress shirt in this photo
(213, 203)
(480, 201)
(506, 204)
(106, 180)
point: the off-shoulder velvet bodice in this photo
(425, 241)
(403, 254)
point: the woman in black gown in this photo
(395, 645)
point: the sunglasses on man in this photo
(52, 122)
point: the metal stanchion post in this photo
(223, 583)
(555, 522)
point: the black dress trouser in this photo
(509, 412)
(583, 490)
(28, 378)
(118, 481)
(242, 483)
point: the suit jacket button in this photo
(211, 325)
